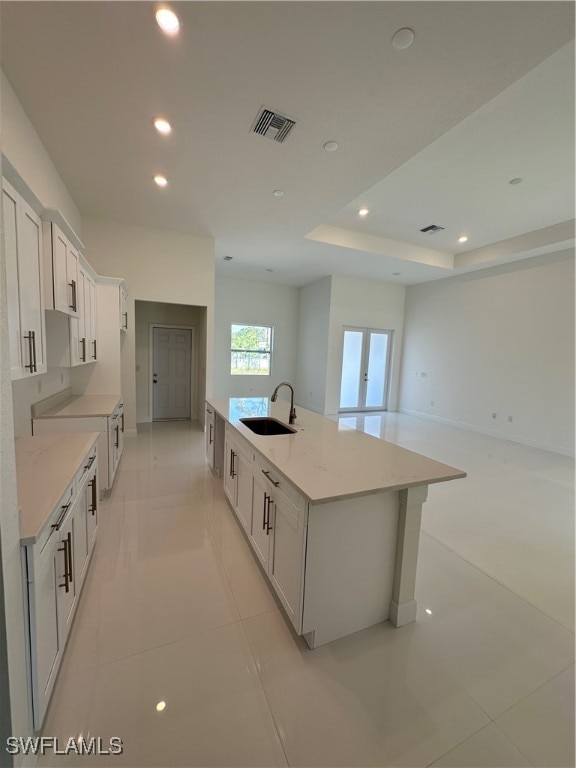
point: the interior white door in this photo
(365, 366)
(172, 373)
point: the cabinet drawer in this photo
(83, 472)
(282, 486)
(58, 515)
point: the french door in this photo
(365, 368)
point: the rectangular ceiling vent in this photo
(432, 229)
(273, 125)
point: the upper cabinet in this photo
(24, 274)
(61, 278)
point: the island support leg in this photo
(403, 605)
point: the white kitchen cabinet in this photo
(61, 265)
(278, 538)
(24, 275)
(209, 425)
(115, 440)
(238, 477)
(92, 313)
(54, 568)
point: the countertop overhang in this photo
(83, 406)
(45, 466)
(328, 461)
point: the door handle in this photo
(83, 342)
(30, 337)
(94, 496)
(94, 342)
(64, 549)
(266, 497)
(268, 526)
(72, 285)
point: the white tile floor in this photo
(176, 610)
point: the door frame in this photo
(364, 362)
(151, 326)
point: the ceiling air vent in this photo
(273, 125)
(432, 229)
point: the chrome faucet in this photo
(274, 397)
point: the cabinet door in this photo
(92, 512)
(123, 310)
(259, 528)
(66, 594)
(229, 471)
(243, 470)
(10, 218)
(44, 637)
(93, 354)
(30, 273)
(73, 280)
(286, 559)
(81, 537)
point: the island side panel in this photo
(350, 556)
(403, 607)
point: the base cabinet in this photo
(54, 568)
(238, 477)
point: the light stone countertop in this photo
(45, 466)
(83, 405)
(327, 461)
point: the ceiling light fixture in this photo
(162, 126)
(396, 274)
(463, 239)
(517, 180)
(162, 181)
(160, 706)
(330, 146)
(228, 258)
(403, 38)
(278, 193)
(363, 212)
(269, 270)
(167, 21)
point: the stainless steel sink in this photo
(264, 425)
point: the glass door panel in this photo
(377, 369)
(351, 369)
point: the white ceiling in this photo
(431, 134)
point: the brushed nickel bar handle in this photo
(83, 342)
(69, 537)
(34, 349)
(264, 511)
(58, 523)
(94, 496)
(268, 526)
(64, 549)
(94, 343)
(122, 417)
(73, 306)
(30, 352)
(276, 483)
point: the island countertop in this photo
(327, 461)
(45, 466)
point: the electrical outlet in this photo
(423, 374)
(510, 419)
(432, 403)
(494, 415)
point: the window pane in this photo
(250, 349)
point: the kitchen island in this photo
(332, 514)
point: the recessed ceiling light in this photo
(517, 180)
(278, 193)
(162, 126)
(363, 212)
(162, 181)
(167, 21)
(428, 611)
(228, 258)
(463, 239)
(330, 146)
(403, 38)
(160, 706)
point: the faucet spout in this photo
(274, 397)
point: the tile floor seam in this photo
(261, 683)
(459, 744)
(513, 742)
(539, 687)
(500, 584)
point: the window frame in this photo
(268, 352)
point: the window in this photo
(250, 350)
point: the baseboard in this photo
(563, 450)
(131, 432)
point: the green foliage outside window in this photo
(250, 348)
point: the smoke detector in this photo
(272, 125)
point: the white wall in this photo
(313, 335)
(26, 392)
(147, 313)
(363, 304)
(22, 146)
(254, 303)
(159, 266)
(497, 341)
